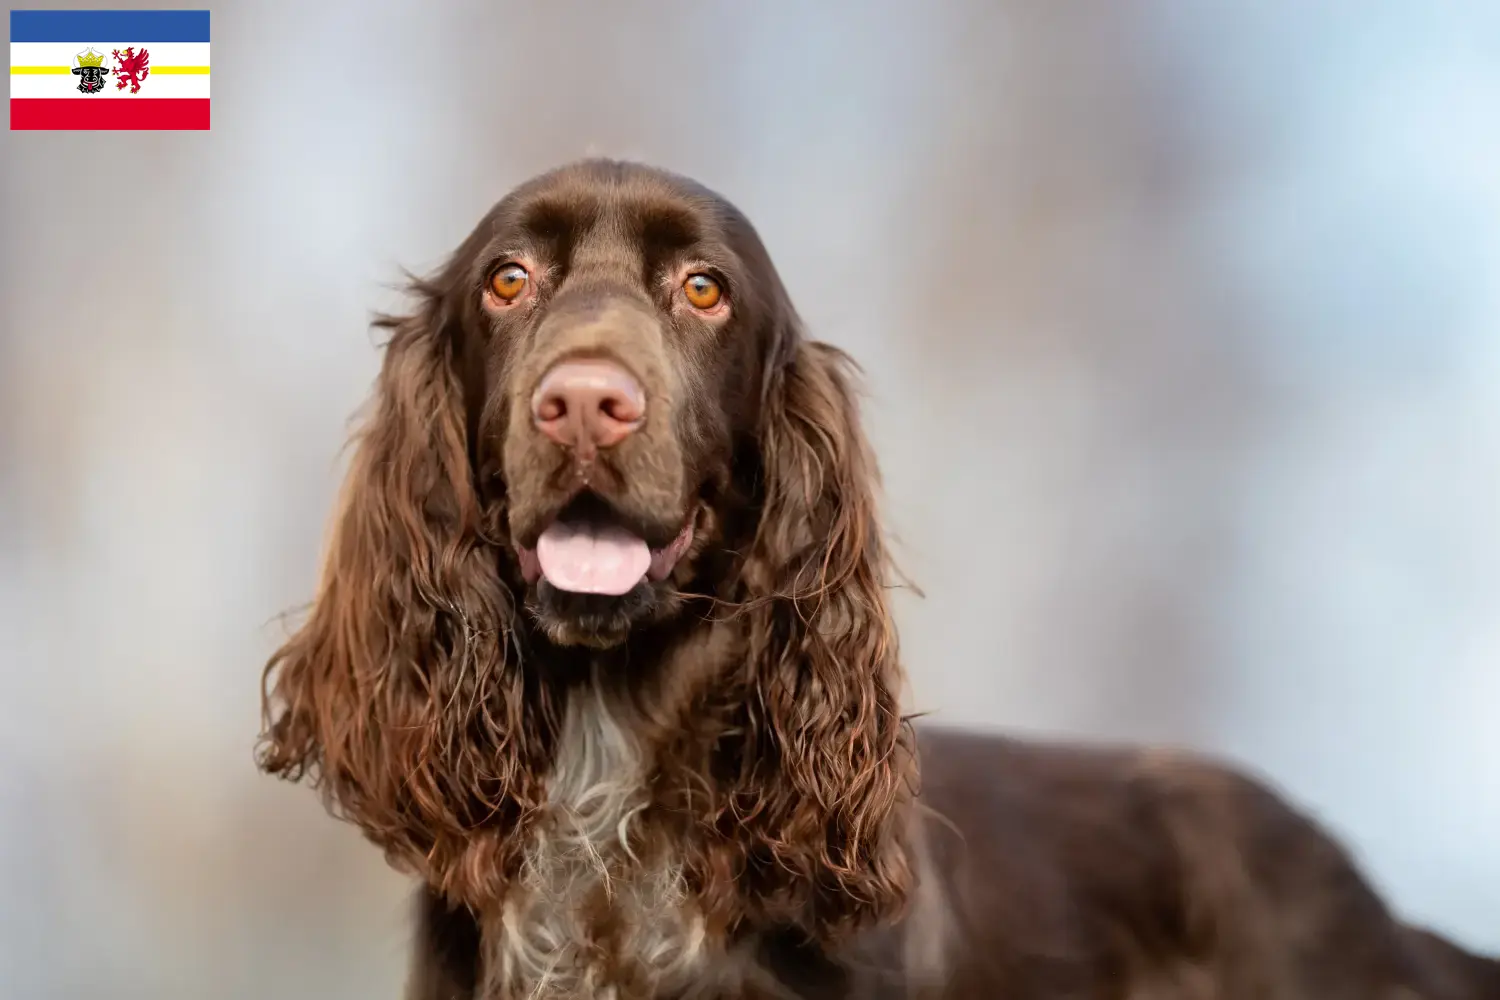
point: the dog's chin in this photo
(594, 621)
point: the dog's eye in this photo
(702, 291)
(509, 282)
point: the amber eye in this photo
(702, 291)
(509, 282)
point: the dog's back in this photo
(1070, 871)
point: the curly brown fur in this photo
(427, 691)
(809, 757)
(402, 695)
(702, 786)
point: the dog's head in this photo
(614, 328)
(598, 435)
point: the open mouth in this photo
(587, 551)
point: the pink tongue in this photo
(589, 560)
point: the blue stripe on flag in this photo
(86, 26)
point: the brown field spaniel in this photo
(602, 655)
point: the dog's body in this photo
(1057, 871)
(602, 655)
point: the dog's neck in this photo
(600, 907)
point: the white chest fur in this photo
(595, 913)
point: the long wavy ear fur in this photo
(828, 761)
(396, 696)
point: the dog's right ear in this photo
(396, 696)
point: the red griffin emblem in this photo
(131, 68)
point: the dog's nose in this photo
(583, 404)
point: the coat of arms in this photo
(131, 67)
(89, 67)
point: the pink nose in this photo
(588, 404)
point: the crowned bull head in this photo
(89, 67)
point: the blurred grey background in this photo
(1183, 337)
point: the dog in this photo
(602, 655)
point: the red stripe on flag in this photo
(117, 113)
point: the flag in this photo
(109, 69)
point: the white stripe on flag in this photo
(62, 53)
(163, 85)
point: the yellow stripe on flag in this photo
(164, 70)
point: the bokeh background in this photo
(1182, 329)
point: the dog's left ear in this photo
(830, 768)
